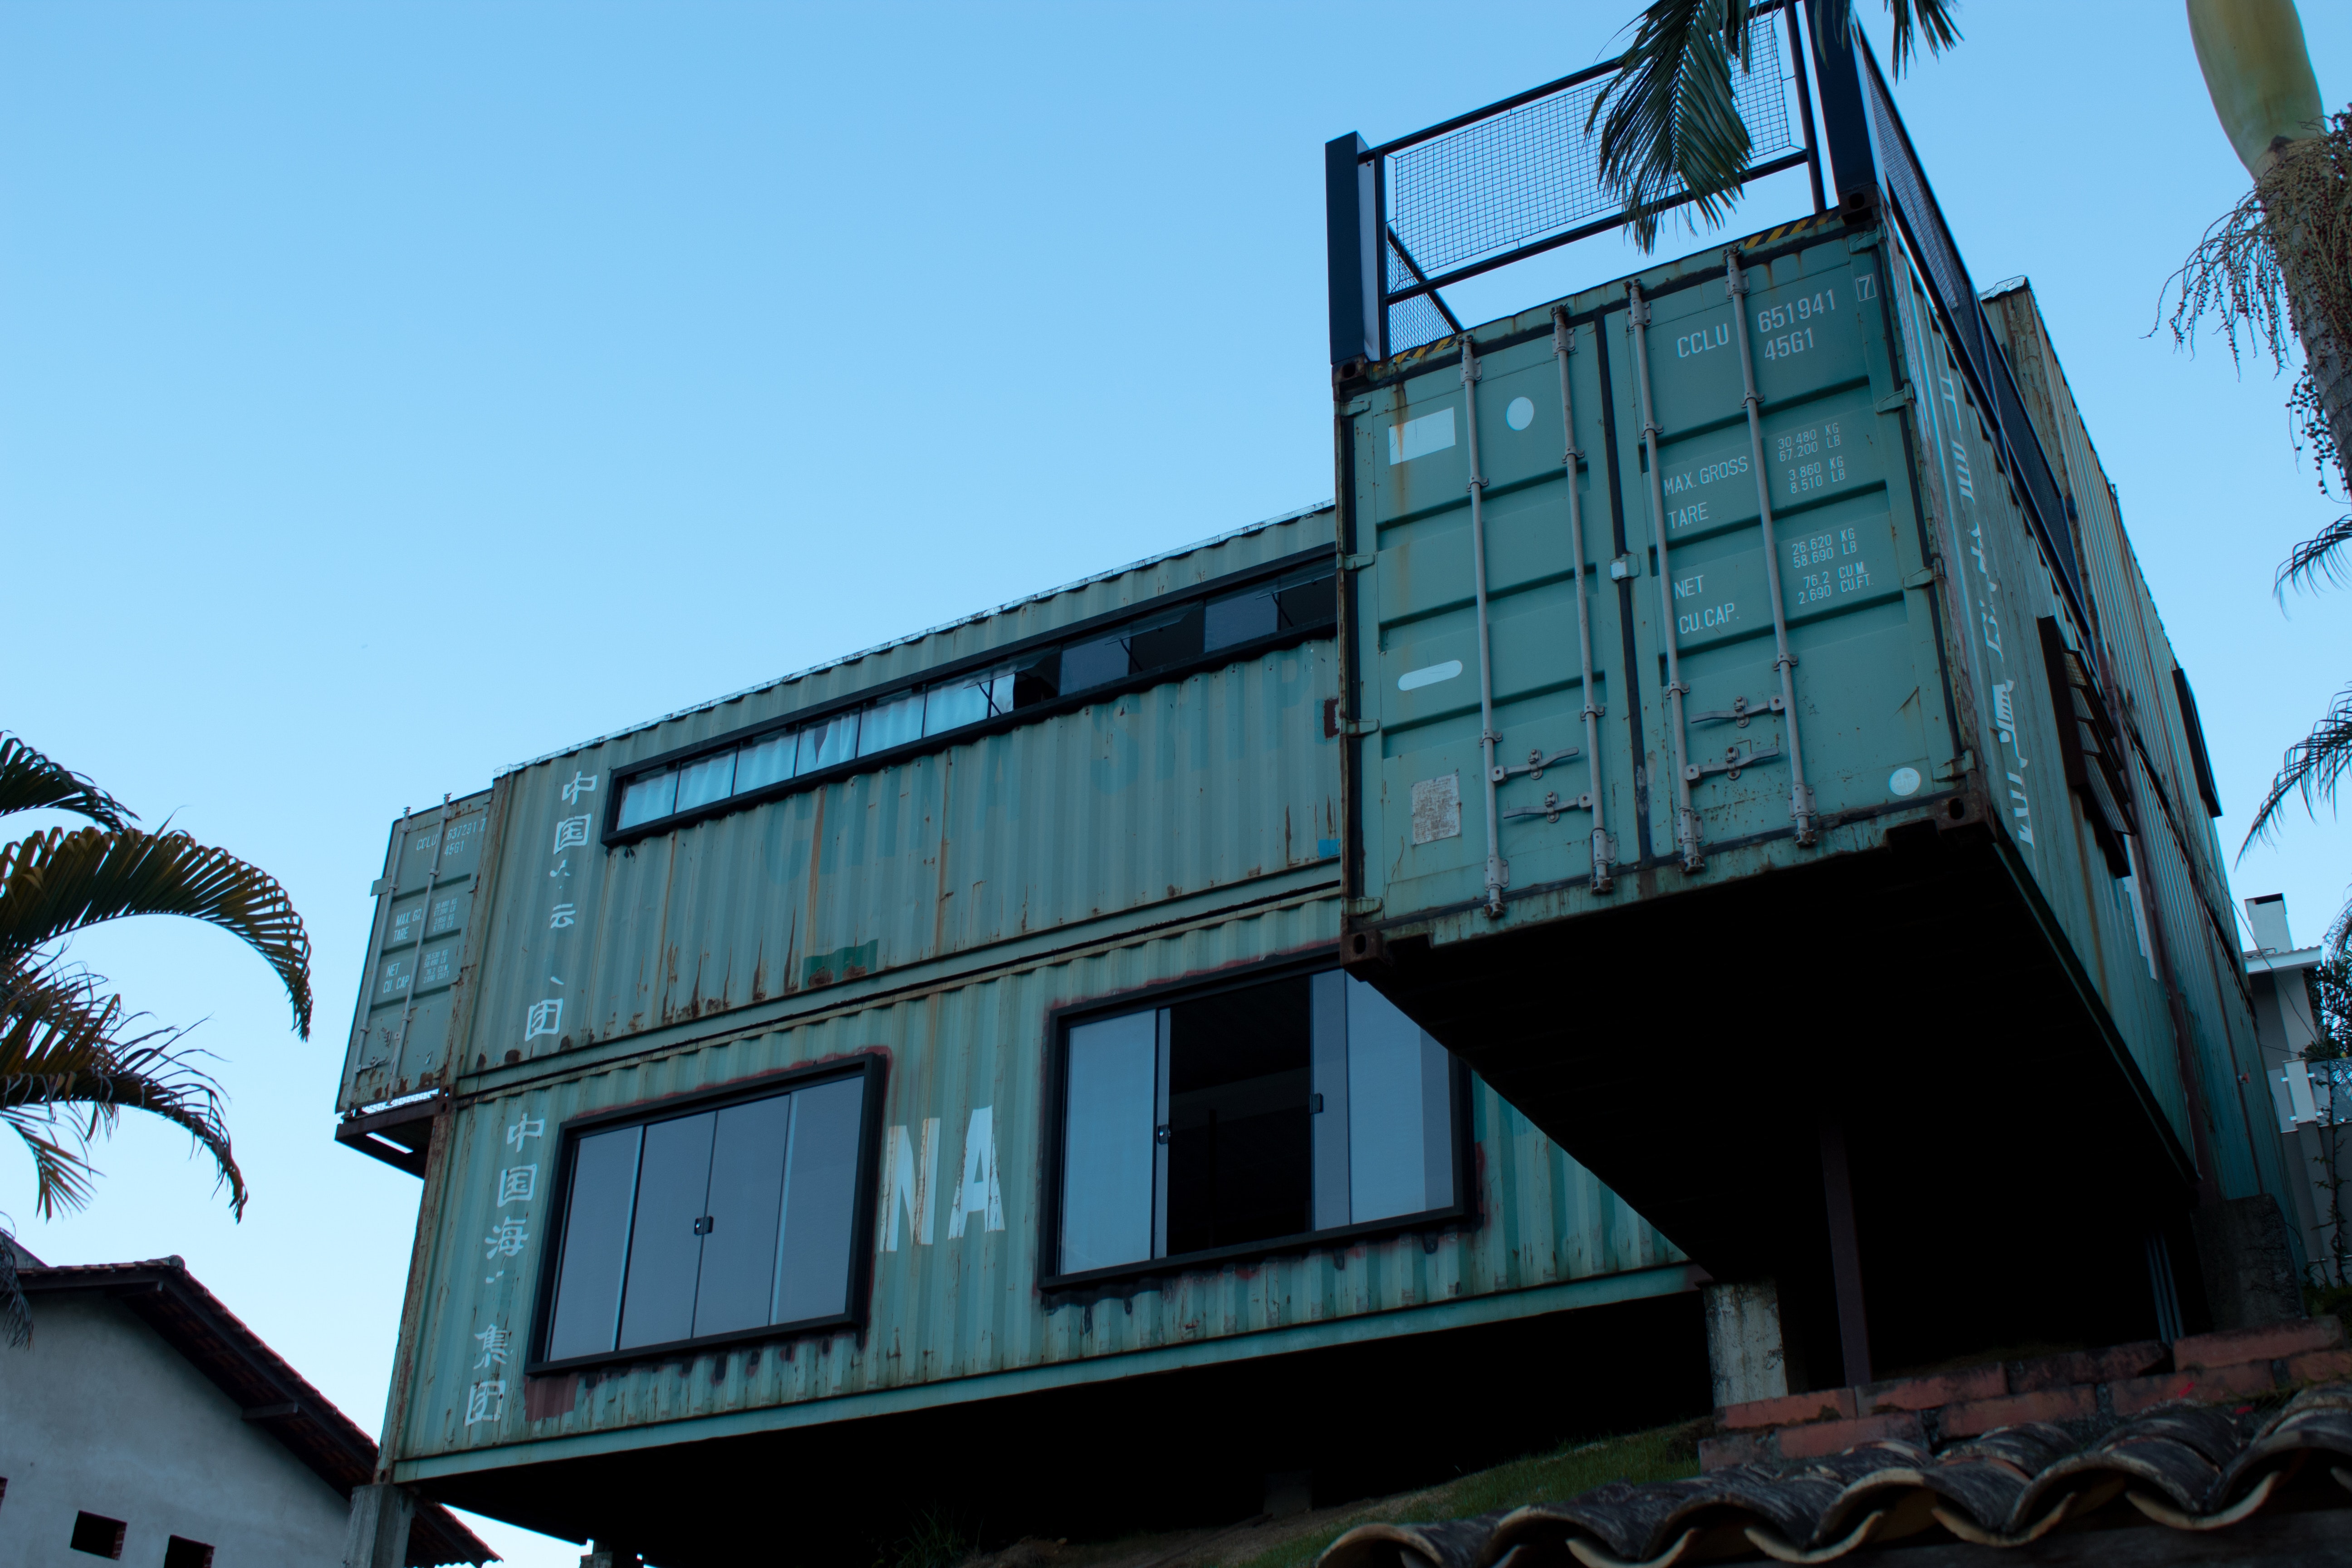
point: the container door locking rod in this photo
(1685, 819)
(1800, 797)
(1562, 343)
(1496, 874)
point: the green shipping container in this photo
(1768, 775)
(782, 1075)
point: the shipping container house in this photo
(869, 1077)
(1766, 766)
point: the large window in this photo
(732, 1218)
(1246, 1116)
(1256, 613)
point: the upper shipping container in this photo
(884, 841)
(1823, 787)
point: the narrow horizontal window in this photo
(1167, 638)
(763, 762)
(709, 1223)
(953, 704)
(823, 744)
(705, 780)
(649, 798)
(896, 722)
(1249, 1115)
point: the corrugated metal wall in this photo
(2178, 854)
(1191, 787)
(968, 1305)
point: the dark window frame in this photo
(1013, 653)
(1462, 1213)
(871, 1066)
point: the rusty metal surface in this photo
(1195, 785)
(960, 1305)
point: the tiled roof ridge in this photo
(1867, 1470)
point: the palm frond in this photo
(1917, 19)
(71, 1064)
(59, 882)
(30, 781)
(1673, 126)
(2316, 559)
(2312, 768)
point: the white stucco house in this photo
(146, 1425)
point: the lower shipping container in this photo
(902, 1124)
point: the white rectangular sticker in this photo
(1419, 437)
(1437, 808)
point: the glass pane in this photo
(1166, 639)
(764, 763)
(1311, 598)
(746, 1190)
(966, 701)
(1238, 618)
(702, 782)
(1240, 1134)
(673, 1178)
(649, 797)
(1330, 1122)
(891, 723)
(813, 1255)
(1107, 1150)
(828, 742)
(1091, 664)
(1039, 680)
(596, 1244)
(1399, 1126)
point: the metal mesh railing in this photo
(1420, 320)
(1987, 365)
(1535, 169)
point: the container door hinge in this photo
(1358, 726)
(1923, 578)
(1958, 768)
(1894, 401)
(1863, 241)
(1364, 906)
(1358, 563)
(377, 888)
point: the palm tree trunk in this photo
(2258, 74)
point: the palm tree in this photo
(71, 1058)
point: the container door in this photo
(425, 906)
(1872, 728)
(1423, 801)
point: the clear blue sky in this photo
(390, 393)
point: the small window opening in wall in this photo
(182, 1553)
(97, 1535)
